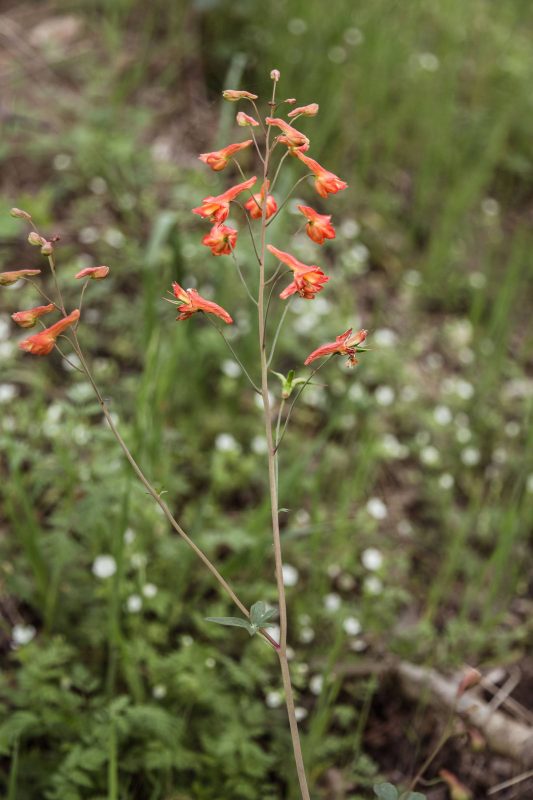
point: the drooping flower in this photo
(191, 302)
(310, 110)
(221, 239)
(233, 95)
(319, 226)
(325, 182)
(308, 279)
(217, 208)
(27, 319)
(44, 342)
(291, 137)
(345, 345)
(94, 273)
(219, 159)
(254, 205)
(7, 278)
(244, 120)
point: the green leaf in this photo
(385, 791)
(234, 622)
(261, 614)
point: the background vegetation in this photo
(407, 484)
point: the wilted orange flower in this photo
(310, 110)
(245, 119)
(235, 94)
(308, 279)
(325, 182)
(292, 137)
(44, 342)
(319, 226)
(219, 159)
(221, 239)
(217, 208)
(346, 345)
(254, 205)
(27, 319)
(7, 278)
(95, 273)
(191, 302)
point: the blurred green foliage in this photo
(406, 481)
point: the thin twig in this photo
(273, 217)
(252, 383)
(278, 331)
(241, 276)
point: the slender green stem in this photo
(271, 293)
(278, 331)
(252, 237)
(81, 299)
(43, 294)
(257, 146)
(314, 372)
(260, 119)
(273, 217)
(253, 384)
(243, 176)
(276, 438)
(273, 489)
(282, 159)
(241, 276)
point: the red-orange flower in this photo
(219, 159)
(217, 208)
(7, 278)
(221, 239)
(346, 345)
(325, 182)
(308, 279)
(191, 302)
(310, 110)
(95, 273)
(27, 319)
(292, 137)
(244, 120)
(44, 342)
(254, 205)
(237, 94)
(319, 226)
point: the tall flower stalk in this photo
(261, 209)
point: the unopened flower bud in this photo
(275, 75)
(18, 212)
(47, 249)
(290, 100)
(35, 239)
(233, 95)
(458, 791)
(244, 120)
(470, 679)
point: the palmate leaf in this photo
(385, 791)
(261, 615)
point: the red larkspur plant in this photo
(191, 302)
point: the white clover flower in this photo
(316, 684)
(332, 602)
(405, 528)
(512, 428)
(104, 566)
(274, 699)
(373, 584)
(8, 392)
(226, 443)
(129, 535)
(429, 455)
(470, 456)
(149, 590)
(442, 415)
(306, 635)
(384, 337)
(300, 713)
(159, 691)
(377, 508)
(352, 626)
(428, 62)
(98, 185)
(62, 161)
(22, 634)
(230, 368)
(446, 481)
(372, 558)
(290, 575)
(260, 445)
(134, 603)
(384, 395)
(349, 228)
(210, 662)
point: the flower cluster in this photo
(42, 343)
(261, 206)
